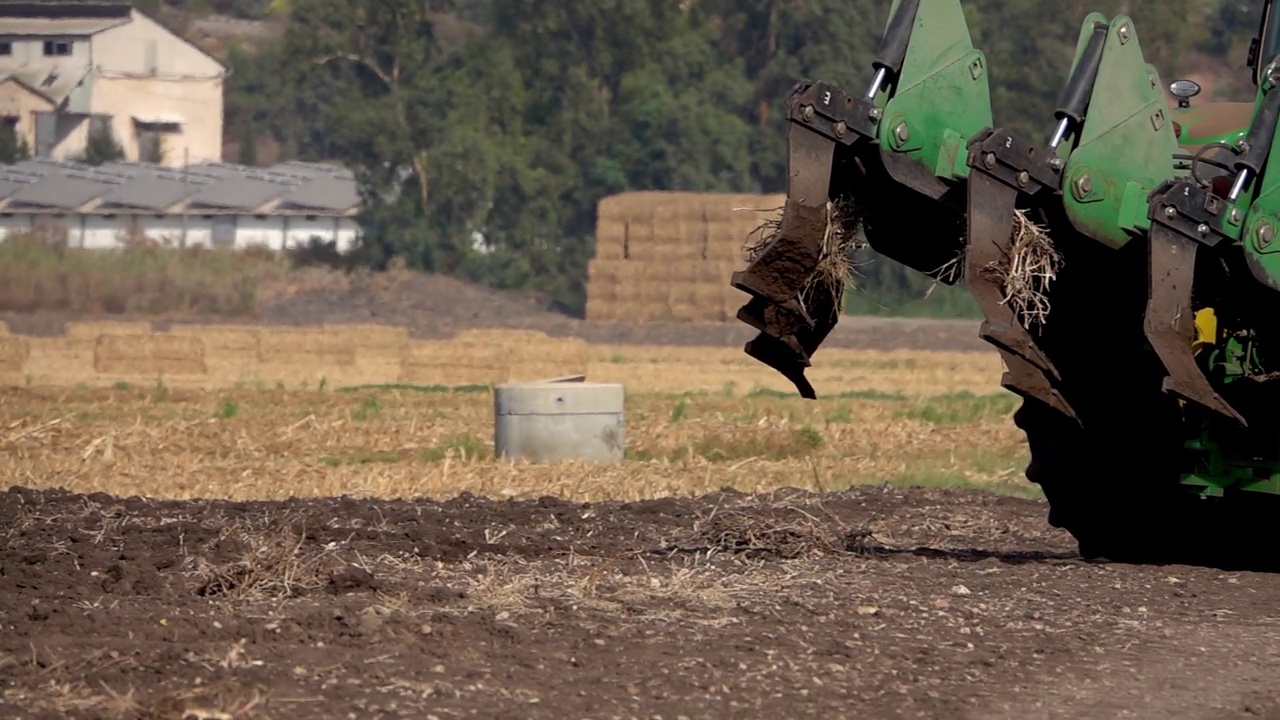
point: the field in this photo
(266, 523)
(357, 552)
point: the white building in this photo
(69, 66)
(213, 204)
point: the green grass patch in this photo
(361, 458)
(423, 389)
(869, 395)
(961, 408)
(368, 409)
(463, 447)
(228, 410)
(770, 444)
(1018, 487)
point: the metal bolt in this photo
(840, 129)
(1235, 216)
(1203, 229)
(1124, 34)
(1266, 234)
(989, 160)
(1083, 186)
(1171, 212)
(876, 113)
(806, 112)
(1024, 177)
(1057, 164)
(902, 133)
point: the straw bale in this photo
(305, 347)
(654, 292)
(558, 351)
(500, 337)
(632, 205)
(238, 340)
(612, 238)
(367, 335)
(716, 274)
(603, 309)
(607, 271)
(449, 363)
(597, 292)
(82, 330)
(14, 353)
(148, 355)
(534, 372)
(733, 300)
(60, 360)
(710, 300)
(674, 273)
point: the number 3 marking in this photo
(826, 99)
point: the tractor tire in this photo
(1117, 494)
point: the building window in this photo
(6, 48)
(56, 47)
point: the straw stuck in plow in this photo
(840, 240)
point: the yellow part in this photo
(1206, 329)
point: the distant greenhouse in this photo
(287, 205)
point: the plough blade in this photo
(793, 326)
(1170, 320)
(1006, 169)
(892, 156)
(991, 209)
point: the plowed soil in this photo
(875, 602)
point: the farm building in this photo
(69, 67)
(213, 204)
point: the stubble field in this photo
(357, 552)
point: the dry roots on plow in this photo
(840, 240)
(1024, 273)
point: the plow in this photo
(1125, 261)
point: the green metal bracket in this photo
(945, 98)
(1261, 235)
(1127, 145)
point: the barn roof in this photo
(293, 188)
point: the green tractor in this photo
(1127, 263)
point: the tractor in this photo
(1126, 262)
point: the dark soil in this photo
(875, 602)
(439, 307)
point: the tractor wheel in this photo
(1115, 490)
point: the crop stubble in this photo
(480, 588)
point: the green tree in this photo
(13, 147)
(101, 146)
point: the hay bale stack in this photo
(89, 331)
(487, 357)
(154, 355)
(440, 362)
(231, 352)
(669, 256)
(304, 357)
(59, 361)
(14, 354)
(379, 352)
